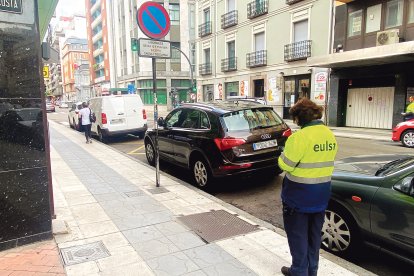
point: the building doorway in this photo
(296, 87)
(208, 93)
(259, 88)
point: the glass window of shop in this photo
(231, 89)
(147, 95)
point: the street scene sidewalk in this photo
(119, 223)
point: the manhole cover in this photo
(134, 194)
(217, 225)
(159, 190)
(84, 253)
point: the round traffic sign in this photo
(153, 20)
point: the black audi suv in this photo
(219, 139)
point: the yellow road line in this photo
(135, 150)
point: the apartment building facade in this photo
(74, 54)
(172, 74)
(371, 79)
(259, 48)
(99, 32)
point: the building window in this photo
(231, 49)
(175, 54)
(207, 15)
(411, 11)
(394, 13)
(373, 19)
(207, 55)
(175, 14)
(354, 23)
(259, 42)
(231, 89)
(231, 5)
(300, 31)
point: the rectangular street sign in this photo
(154, 48)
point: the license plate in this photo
(117, 121)
(265, 144)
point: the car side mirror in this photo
(406, 186)
(161, 121)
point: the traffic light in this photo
(134, 44)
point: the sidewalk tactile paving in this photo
(159, 190)
(217, 225)
(84, 253)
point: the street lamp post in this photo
(191, 67)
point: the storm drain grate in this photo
(84, 253)
(159, 190)
(135, 194)
(217, 225)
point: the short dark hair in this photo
(305, 111)
(84, 104)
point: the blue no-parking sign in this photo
(153, 20)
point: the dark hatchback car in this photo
(219, 139)
(372, 202)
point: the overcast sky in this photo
(70, 7)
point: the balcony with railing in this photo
(257, 8)
(298, 50)
(229, 64)
(256, 59)
(291, 2)
(229, 19)
(204, 69)
(98, 51)
(204, 29)
(96, 21)
(94, 5)
(96, 36)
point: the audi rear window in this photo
(250, 119)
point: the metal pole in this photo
(154, 91)
(189, 62)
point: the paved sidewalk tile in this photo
(40, 258)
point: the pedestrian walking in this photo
(409, 111)
(85, 114)
(308, 160)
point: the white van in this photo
(118, 115)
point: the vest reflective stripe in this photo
(307, 180)
(315, 165)
(288, 161)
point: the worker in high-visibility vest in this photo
(308, 160)
(409, 111)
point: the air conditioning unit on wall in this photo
(388, 37)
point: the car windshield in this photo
(28, 114)
(395, 166)
(251, 119)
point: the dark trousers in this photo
(87, 129)
(304, 237)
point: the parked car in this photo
(404, 132)
(73, 117)
(64, 105)
(219, 139)
(372, 202)
(118, 115)
(50, 107)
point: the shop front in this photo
(295, 88)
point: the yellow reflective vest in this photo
(410, 108)
(308, 159)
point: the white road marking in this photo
(64, 123)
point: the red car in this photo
(404, 132)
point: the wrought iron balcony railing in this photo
(204, 29)
(204, 69)
(257, 8)
(256, 59)
(229, 64)
(291, 2)
(298, 50)
(229, 19)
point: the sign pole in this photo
(154, 91)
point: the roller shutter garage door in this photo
(370, 107)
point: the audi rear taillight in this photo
(104, 120)
(144, 114)
(228, 143)
(287, 133)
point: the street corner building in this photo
(25, 193)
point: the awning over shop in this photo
(46, 8)
(387, 54)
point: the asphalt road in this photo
(259, 195)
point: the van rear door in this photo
(133, 112)
(114, 108)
